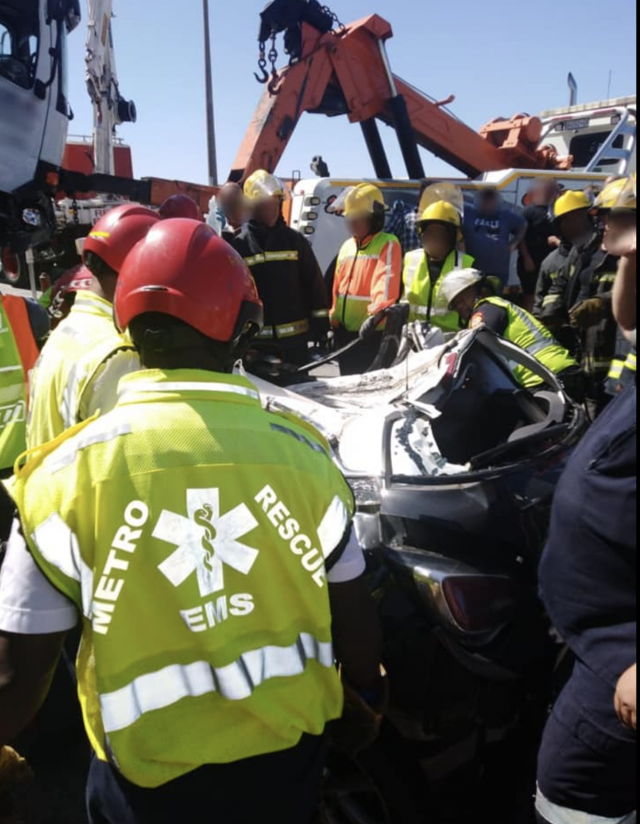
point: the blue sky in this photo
(498, 56)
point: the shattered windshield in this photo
(19, 41)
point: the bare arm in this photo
(27, 666)
(357, 634)
(625, 295)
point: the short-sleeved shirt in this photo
(30, 605)
(488, 239)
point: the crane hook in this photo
(263, 77)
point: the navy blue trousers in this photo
(588, 760)
(283, 788)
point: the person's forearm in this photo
(357, 634)
(27, 668)
(519, 238)
(625, 295)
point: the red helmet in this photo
(184, 270)
(115, 235)
(180, 206)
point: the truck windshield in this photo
(19, 35)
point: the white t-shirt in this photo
(30, 605)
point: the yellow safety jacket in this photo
(192, 529)
(18, 354)
(427, 304)
(70, 362)
(529, 334)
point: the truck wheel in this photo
(14, 269)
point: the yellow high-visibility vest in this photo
(192, 529)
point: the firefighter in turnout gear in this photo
(470, 295)
(574, 225)
(425, 270)
(289, 280)
(368, 276)
(212, 564)
(582, 297)
(85, 357)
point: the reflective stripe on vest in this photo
(532, 336)
(18, 354)
(199, 568)
(424, 298)
(273, 257)
(286, 330)
(355, 271)
(235, 682)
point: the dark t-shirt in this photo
(488, 239)
(540, 229)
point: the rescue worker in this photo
(587, 769)
(287, 274)
(368, 277)
(466, 294)
(211, 560)
(426, 269)
(574, 225)
(79, 370)
(618, 204)
(24, 326)
(178, 206)
(582, 296)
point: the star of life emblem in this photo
(206, 541)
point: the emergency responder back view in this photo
(198, 559)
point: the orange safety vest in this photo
(18, 355)
(368, 280)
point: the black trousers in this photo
(283, 788)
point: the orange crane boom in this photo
(346, 71)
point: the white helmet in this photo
(458, 282)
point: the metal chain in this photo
(273, 57)
(341, 26)
(76, 212)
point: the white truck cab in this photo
(34, 114)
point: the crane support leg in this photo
(376, 149)
(406, 137)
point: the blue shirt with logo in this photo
(488, 238)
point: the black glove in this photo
(370, 326)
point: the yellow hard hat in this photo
(361, 202)
(262, 186)
(573, 201)
(442, 212)
(621, 195)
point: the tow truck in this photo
(333, 70)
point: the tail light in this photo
(480, 603)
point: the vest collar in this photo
(87, 303)
(152, 385)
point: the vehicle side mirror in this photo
(65, 11)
